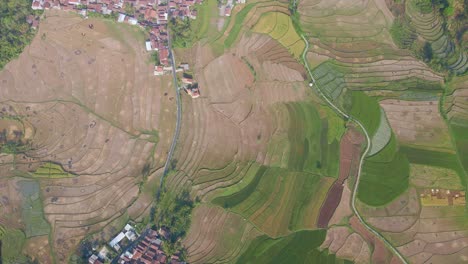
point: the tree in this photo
(427, 52)
(15, 32)
(129, 9)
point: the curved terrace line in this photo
(361, 162)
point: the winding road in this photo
(179, 110)
(361, 162)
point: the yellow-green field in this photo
(51, 170)
(279, 26)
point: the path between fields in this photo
(179, 111)
(361, 161)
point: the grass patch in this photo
(51, 170)
(300, 247)
(367, 110)
(273, 191)
(460, 134)
(238, 22)
(12, 243)
(280, 27)
(384, 176)
(32, 210)
(435, 158)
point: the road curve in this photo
(361, 162)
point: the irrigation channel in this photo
(361, 161)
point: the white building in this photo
(115, 242)
(121, 18)
(132, 21)
(148, 48)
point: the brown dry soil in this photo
(94, 107)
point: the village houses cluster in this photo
(133, 248)
(153, 14)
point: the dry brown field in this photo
(418, 123)
(94, 106)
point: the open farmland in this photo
(280, 148)
(300, 247)
(279, 26)
(350, 149)
(97, 113)
(217, 236)
(417, 123)
(384, 176)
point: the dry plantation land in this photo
(96, 111)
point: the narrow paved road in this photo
(361, 162)
(179, 110)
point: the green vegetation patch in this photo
(382, 136)
(238, 22)
(52, 170)
(367, 110)
(12, 242)
(460, 134)
(308, 137)
(15, 32)
(426, 176)
(288, 196)
(300, 247)
(384, 176)
(435, 158)
(280, 27)
(32, 210)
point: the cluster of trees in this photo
(173, 212)
(182, 35)
(15, 32)
(454, 16)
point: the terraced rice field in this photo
(280, 148)
(430, 27)
(279, 26)
(97, 112)
(290, 248)
(217, 236)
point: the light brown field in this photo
(94, 104)
(39, 249)
(234, 111)
(417, 123)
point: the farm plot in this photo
(435, 158)
(300, 247)
(11, 243)
(340, 240)
(350, 149)
(279, 26)
(422, 234)
(96, 111)
(32, 211)
(278, 201)
(384, 176)
(367, 110)
(426, 176)
(338, 21)
(418, 123)
(217, 236)
(430, 27)
(51, 170)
